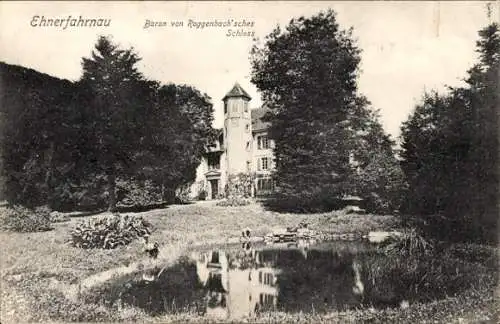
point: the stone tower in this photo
(237, 130)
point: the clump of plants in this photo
(238, 190)
(21, 219)
(416, 270)
(109, 232)
(233, 202)
(411, 243)
(137, 193)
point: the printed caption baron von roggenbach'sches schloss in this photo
(232, 27)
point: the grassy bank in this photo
(39, 269)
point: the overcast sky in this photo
(407, 46)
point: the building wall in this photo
(237, 135)
(258, 154)
(241, 153)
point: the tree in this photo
(37, 135)
(179, 133)
(378, 177)
(118, 111)
(307, 75)
(450, 151)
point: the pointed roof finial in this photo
(237, 91)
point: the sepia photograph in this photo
(249, 161)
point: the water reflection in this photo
(288, 277)
(242, 281)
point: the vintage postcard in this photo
(257, 162)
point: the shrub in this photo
(109, 232)
(137, 193)
(239, 185)
(202, 195)
(380, 183)
(22, 219)
(410, 244)
(182, 193)
(233, 202)
(86, 194)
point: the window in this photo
(264, 163)
(265, 184)
(262, 142)
(213, 162)
(266, 300)
(235, 108)
(225, 107)
(247, 128)
(248, 146)
(246, 106)
(249, 166)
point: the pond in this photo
(236, 281)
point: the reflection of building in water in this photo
(212, 272)
(253, 280)
(237, 293)
(253, 289)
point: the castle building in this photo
(243, 146)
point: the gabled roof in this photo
(257, 123)
(237, 91)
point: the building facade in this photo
(242, 146)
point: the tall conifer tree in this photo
(121, 97)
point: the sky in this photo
(407, 47)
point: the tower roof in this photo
(237, 91)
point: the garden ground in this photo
(39, 271)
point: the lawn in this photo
(40, 271)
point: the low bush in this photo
(202, 195)
(137, 193)
(22, 219)
(410, 244)
(239, 185)
(87, 194)
(182, 194)
(233, 202)
(109, 232)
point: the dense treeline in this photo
(450, 152)
(110, 137)
(329, 142)
(37, 121)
